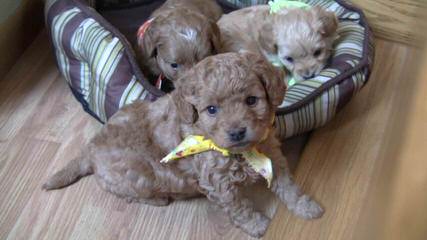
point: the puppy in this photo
(221, 95)
(178, 35)
(299, 39)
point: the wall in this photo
(20, 22)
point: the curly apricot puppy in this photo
(222, 95)
(300, 39)
(180, 34)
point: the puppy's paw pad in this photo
(307, 208)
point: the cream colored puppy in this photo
(299, 39)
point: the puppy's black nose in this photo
(309, 77)
(237, 134)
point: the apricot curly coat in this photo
(125, 156)
(301, 39)
(183, 32)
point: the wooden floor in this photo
(42, 127)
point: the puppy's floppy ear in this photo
(326, 22)
(272, 78)
(148, 42)
(266, 39)
(183, 97)
(215, 36)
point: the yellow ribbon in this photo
(277, 5)
(194, 144)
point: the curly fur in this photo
(125, 156)
(295, 33)
(182, 32)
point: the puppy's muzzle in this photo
(237, 135)
(308, 76)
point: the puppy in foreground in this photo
(229, 99)
(178, 35)
(301, 39)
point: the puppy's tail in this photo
(75, 169)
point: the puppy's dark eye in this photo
(289, 59)
(317, 52)
(251, 100)
(174, 65)
(212, 110)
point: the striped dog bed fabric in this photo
(100, 67)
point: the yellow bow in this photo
(194, 144)
(277, 5)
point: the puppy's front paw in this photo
(307, 208)
(257, 226)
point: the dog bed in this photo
(97, 60)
